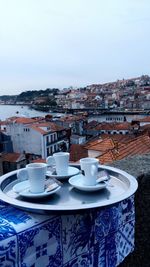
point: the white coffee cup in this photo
(90, 168)
(35, 173)
(61, 160)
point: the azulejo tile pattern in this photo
(91, 238)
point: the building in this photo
(37, 137)
(5, 143)
(116, 147)
(96, 129)
(75, 123)
(12, 161)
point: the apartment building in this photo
(75, 123)
(37, 137)
(107, 127)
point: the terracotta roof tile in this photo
(145, 119)
(90, 125)
(11, 157)
(101, 145)
(24, 120)
(72, 118)
(38, 129)
(3, 122)
(137, 146)
(145, 127)
(107, 157)
(77, 152)
(39, 160)
(49, 127)
(113, 126)
(119, 138)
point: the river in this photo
(7, 111)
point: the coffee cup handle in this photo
(22, 175)
(50, 161)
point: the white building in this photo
(35, 137)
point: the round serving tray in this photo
(69, 199)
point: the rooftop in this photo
(77, 152)
(101, 145)
(12, 157)
(45, 127)
(137, 146)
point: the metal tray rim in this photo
(50, 208)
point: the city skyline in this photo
(71, 43)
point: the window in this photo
(26, 129)
(54, 148)
(47, 139)
(47, 151)
(50, 150)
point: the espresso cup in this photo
(61, 161)
(89, 166)
(35, 173)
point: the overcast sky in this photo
(62, 43)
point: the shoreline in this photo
(88, 112)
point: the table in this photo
(93, 237)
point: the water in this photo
(7, 111)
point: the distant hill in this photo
(28, 96)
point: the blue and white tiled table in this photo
(97, 237)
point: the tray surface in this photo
(69, 198)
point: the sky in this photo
(63, 43)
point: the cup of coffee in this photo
(35, 173)
(89, 167)
(61, 161)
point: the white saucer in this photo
(77, 182)
(23, 189)
(71, 172)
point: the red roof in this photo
(39, 160)
(90, 125)
(72, 118)
(137, 146)
(49, 127)
(145, 119)
(113, 126)
(12, 157)
(101, 144)
(23, 120)
(77, 152)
